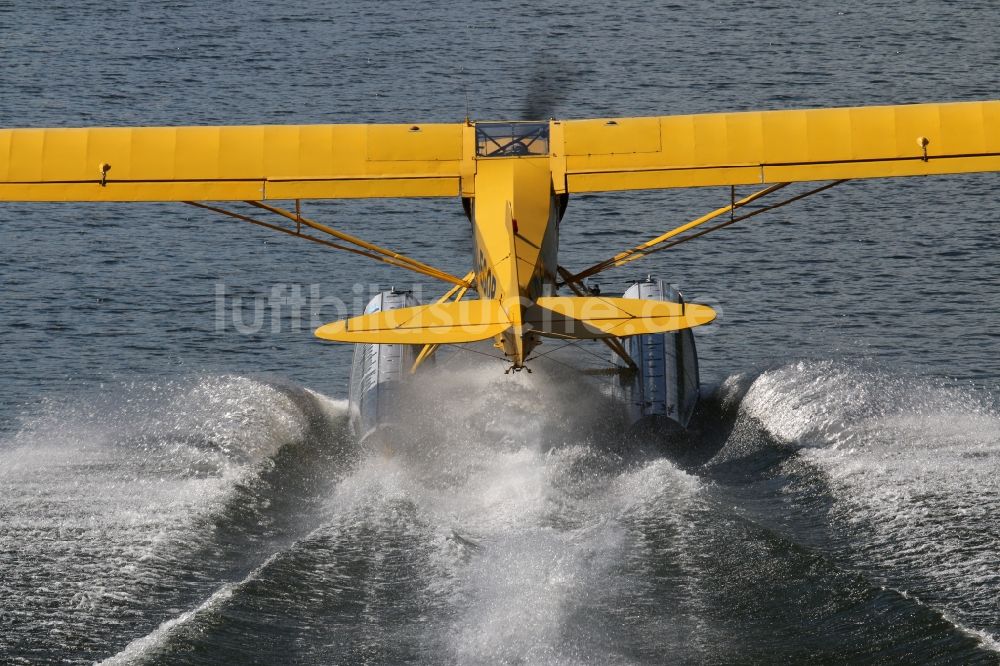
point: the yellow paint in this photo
(230, 163)
(440, 323)
(395, 257)
(784, 146)
(642, 249)
(346, 161)
(557, 156)
(456, 293)
(612, 136)
(514, 198)
(592, 317)
(514, 192)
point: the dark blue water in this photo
(176, 481)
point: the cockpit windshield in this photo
(511, 139)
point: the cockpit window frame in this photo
(512, 139)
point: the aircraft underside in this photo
(659, 391)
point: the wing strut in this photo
(657, 244)
(415, 265)
(642, 250)
(368, 249)
(614, 344)
(456, 293)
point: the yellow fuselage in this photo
(516, 234)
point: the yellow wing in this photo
(591, 317)
(438, 323)
(777, 146)
(230, 163)
(345, 161)
(557, 316)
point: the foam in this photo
(141, 647)
(914, 469)
(525, 519)
(104, 496)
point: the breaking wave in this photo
(912, 470)
(819, 511)
(122, 509)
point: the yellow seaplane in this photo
(514, 180)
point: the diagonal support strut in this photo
(455, 294)
(614, 344)
(415, 265)
(365, 249)
(642, 250)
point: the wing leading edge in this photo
(437, 160)
(230, 163)
(780, 146)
